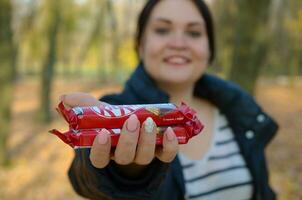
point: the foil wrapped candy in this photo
(86, 122)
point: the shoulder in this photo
(116, 99)
(223, 93)
(126, 96)
(241, 109)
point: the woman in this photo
(175, 43)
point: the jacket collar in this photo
(144, 87)
(219, 92)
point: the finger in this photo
(146, 144)
(100, 150)
(126, 146)
(79, 99)
(170, 146)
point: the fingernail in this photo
(149, 125)
(103, 136)
(169, 133)
(132, 123)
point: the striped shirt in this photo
(222, 172)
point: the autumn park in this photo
(49, 48)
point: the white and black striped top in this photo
(222, 172)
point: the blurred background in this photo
(48, 48)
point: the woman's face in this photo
(175, 46)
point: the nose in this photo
(178, 41)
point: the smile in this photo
(177, 60)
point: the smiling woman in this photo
(175, 44)
(175, 47)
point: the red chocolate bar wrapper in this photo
(114, 116)
(85, 138)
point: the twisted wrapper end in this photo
(67, 138)
(63, 111)
(186, 111)
(193, 121)
(68, 115)
(197, 126)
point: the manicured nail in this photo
(132, 123)
(149, 125)
(169, 133)
(103, 137)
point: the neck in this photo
(178, 93)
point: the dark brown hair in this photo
(202, 8)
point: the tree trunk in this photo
(6, 76)
(250, 42)
(279, 47)
(49, 63)
(226, 11)
(114, 36)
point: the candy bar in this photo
(114, 116)
(86, 122)
(84, 138)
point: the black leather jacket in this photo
(253, 130)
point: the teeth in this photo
(177, 60)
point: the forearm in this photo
(114, 181)
(131, 171)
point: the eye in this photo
(194, 34)
(161, 31)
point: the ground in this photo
(40, 160)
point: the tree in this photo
(104, 37)
(225, 12)
(7, 70)
(114, 34)
(294, 26)
(52, 30)
(250, 42)
(278, 47)
(96, 35)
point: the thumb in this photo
(80, 99)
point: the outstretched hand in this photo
(137, 142)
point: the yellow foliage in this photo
(127, 55)
(294, 27)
